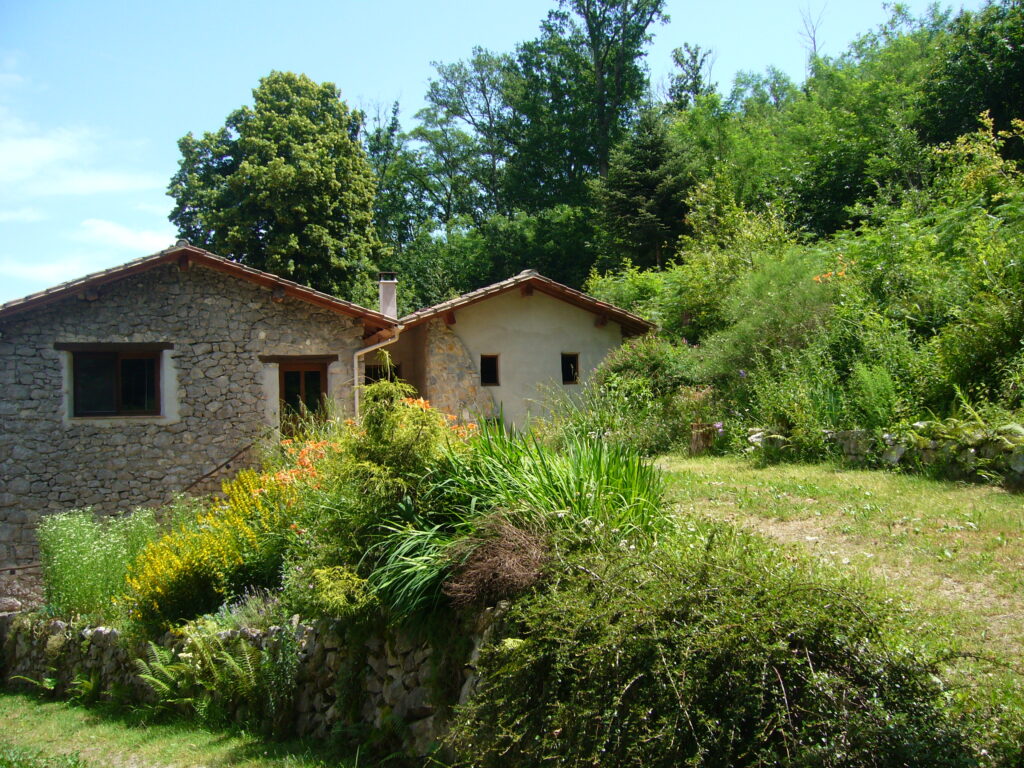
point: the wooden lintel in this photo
(449, 317)
(602, 321)
(296, 359)
(90, 294)
(526, 289)
(184, 262)
(277, 294)
(88, 346)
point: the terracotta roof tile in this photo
(190, 254)
(631, 324)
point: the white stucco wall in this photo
(529, 335)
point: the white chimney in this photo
(388, 294)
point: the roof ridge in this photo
(234, 268)
(559, 290)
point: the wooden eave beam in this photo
(449, 317)
(526, 289)
(379, 336)
(601, 321)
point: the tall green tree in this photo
(615, 33)
(982, 71)
(643, 198)
(402, 205)
(284, 186)
(693, 78)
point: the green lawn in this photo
(952, 552)
(39, 734)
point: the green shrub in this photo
(873, 399)
(784, 305)
(640, 397)
(333, 591)
(665, 366)
(715, 651)
(799, 397)
(236, 543)
(85, 557)
(623, 411)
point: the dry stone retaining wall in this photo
(395, 675)
(218, 325)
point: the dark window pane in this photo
(314, 390)
(138, 385)
(95, 386)
(570, 368)
(489, 370)
(292, 394)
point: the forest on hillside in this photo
(840, 252)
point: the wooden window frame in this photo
(497, 371)
(301, 365)
(116, 355)
(575, 363)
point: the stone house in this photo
(507, 347)
(129, 385)
(126, 386)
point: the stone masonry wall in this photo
(218, 324)
(451, 380)
(395, 675)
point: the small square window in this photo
(570, 368)
(489, 370)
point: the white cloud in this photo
(25, 156)
(114, 235)
(59, 161)
(21, 214)
(46, 273)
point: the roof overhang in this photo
(185, 257)
(527, 282)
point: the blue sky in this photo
(94, 95)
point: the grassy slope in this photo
(55, 728)
(951, 550)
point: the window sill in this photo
(121, 420)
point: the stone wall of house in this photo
(395, 676)
(219, 325)
(450, 377)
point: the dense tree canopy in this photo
(284, 186)
(559, 156)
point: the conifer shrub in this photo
(712, 650)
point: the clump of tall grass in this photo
(590, 491)
(85, 557)
(587, 487)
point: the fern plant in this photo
(169, 677)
